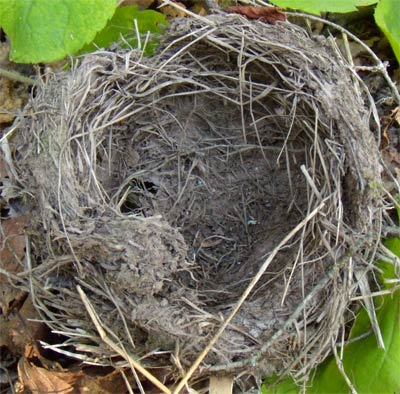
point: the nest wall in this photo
(162, 184)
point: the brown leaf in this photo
(172, 12)
(269, 15)
(20, 330)
(387, 123)
(11, 99)
(12, 243)
(12, 251)
(141, 4)
(40, 380)
(99, 383)
(55, 380)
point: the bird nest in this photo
(214, 197)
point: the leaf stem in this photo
(16, 76)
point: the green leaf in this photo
(286, 386)
(318, 6)
(48, 30)
(370, 369)
(387, 268)
(387, 17)
(122, 25)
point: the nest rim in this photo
(360, 178)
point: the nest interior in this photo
(163, 183)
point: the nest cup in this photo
(233, 168)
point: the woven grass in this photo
(216, 197)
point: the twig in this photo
(339, 364)
(377, 293)
(17, 76)
(8, 133)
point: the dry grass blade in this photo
(339, 363)
(95, 319)
(370, 307)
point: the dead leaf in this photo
(99, 383)
(387, 122)
(40, 380)
(19, 331)
(11, 100)
(12, 251)
(172, 12)
(55, 380)
(269, 15)
(199, 9)
(141, 4)
(12, 243)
